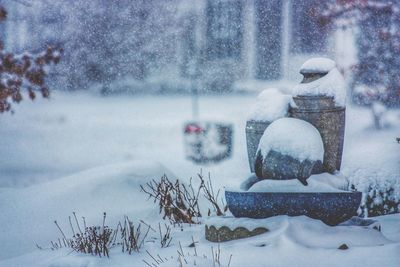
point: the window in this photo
(224, 29)
(268, 39)
(308, 34)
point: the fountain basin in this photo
(330, 207)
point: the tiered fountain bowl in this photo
(331, 207)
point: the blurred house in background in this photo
(163, 45)
(251, 39)
(31, 26)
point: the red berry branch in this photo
(24, 72)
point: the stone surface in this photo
(331, 208)
(310, 77)
(249, 182)
(254, 132)
(343, 247)
(224, 233)
(321, 112)
(282, 167)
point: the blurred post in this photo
(193, 74)
(286, 22)
(195, 99)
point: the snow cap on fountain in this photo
(293, 137)
(271, 104)
(318, 65)
(326, 80)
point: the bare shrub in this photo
(179, 202)
(94, 240)
(97, 240)
(131, 238)
(211, 196)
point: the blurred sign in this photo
(208, 142)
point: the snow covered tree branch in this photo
(378, 43)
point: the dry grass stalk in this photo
(97, 240)
(189, 259)
(179, 202)
(211, 196)
(165, 237)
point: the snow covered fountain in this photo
(295, 146)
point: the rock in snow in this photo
(293, 137)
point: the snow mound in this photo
(293, 137)
(305, 231)
(318, 65)
(270, 105)
(114, 189)
(332, 84)
(290, 241)
(324, 182)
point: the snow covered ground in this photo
(70, 133)
(89, 154)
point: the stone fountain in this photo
(294, 157)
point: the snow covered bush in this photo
(379, 197)
(366, 95)
(23, 72)
(378, 111)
